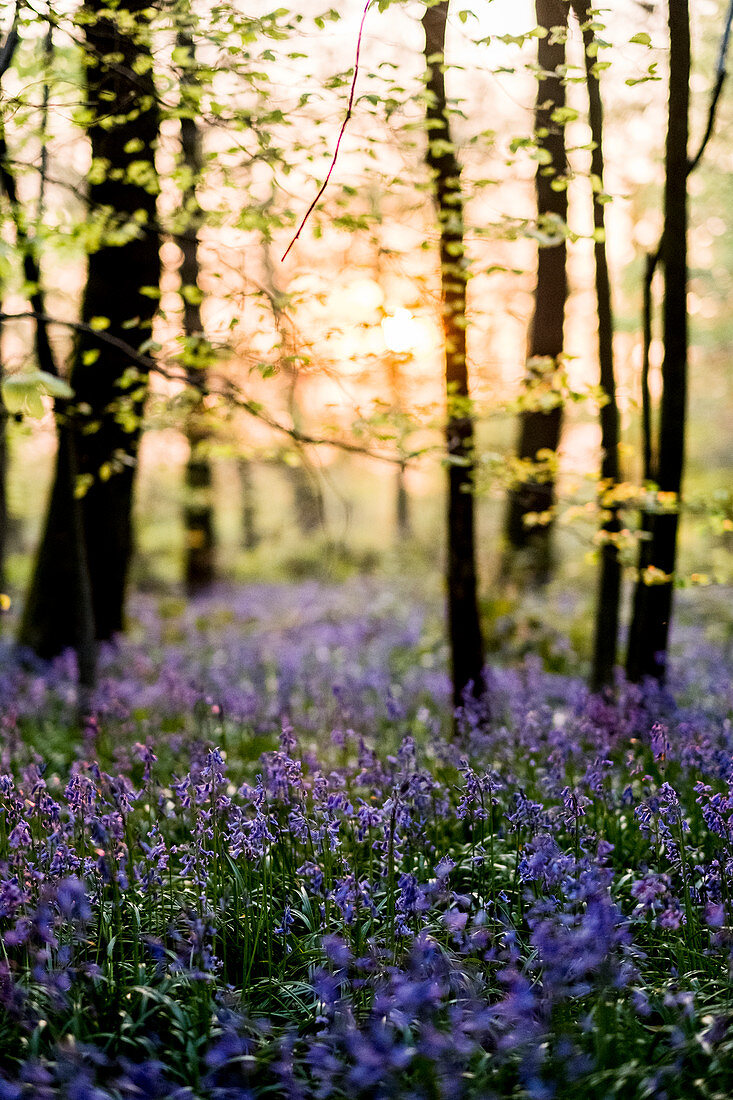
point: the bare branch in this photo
(344, 124)
(720, 75)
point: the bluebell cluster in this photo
(265, 866)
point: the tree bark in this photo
(653, 597)
(466, 643)
(605, 647)
(8, 49)
(200, 565)
(109, 397)
(3, 476)
(540, 429)
(71, 564)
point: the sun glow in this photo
(402, 332)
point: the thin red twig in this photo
(344, 124)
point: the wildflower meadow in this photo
(267, 866)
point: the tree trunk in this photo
(402, 506)
(3, 478)
(58, 612)
(530, 547)
(308, 502)
(109, 395)
(8, 49)
(200, 569)
(605, 648)
(649, 634)
(466, 644)
(72, 608)
(250, 534)
(403, 525)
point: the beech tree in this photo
(7, 49)
(533, 492)
(108, 395)
(664, 452)
(464, 628)
(200, 544)
(608, 598)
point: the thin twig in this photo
(344, 124)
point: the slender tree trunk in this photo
(649, 634)
(3, 476)
(109, 395)
(70, 590)
(403, 523)
(308, 503)
(250, 535)
(466, 644)
(7, 52)
(539, 429)
(200, 570)
(402, 506)
(605, 649)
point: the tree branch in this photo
(721, 74)
(227, 390)
(344, 124)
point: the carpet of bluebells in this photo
(262, 867)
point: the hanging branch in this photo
(344, 124)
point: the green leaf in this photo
(641, 39)
(23, 392)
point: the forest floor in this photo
(262, 867)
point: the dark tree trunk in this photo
(200, 570)
(539, 430)
(108, 395)
(649, 633)
(605, 648)
(74, 616)
(466, 644)
(8, 49)
(199, 512)
(3, 478)
(58, 612)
